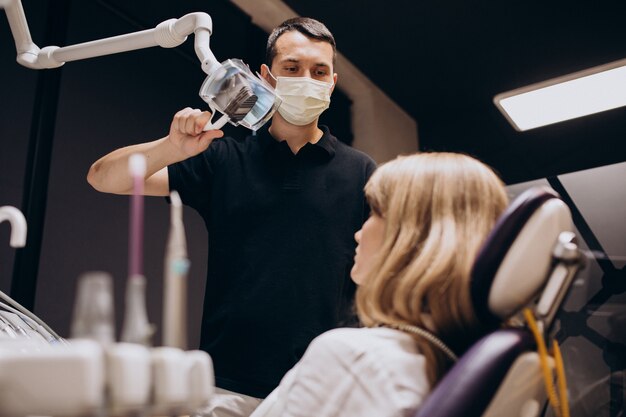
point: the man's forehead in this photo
(296, 47)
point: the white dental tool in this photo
(176, 268)
(93, 308)
(36, 324)
(18, 225)
(242, 98)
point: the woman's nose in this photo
(357, 236)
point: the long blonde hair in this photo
(438, 208)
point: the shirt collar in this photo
(327, 142)
(326, 145)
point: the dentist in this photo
(281, 209)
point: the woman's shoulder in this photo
(347, 335)
(372, 333)
(364, 341)
(384, 358)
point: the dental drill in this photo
(175, 283)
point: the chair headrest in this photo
(515, 260)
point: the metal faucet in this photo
(18, 225)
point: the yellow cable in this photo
(560, 372)
(543, 360)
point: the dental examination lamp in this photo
(230, 87)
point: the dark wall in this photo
(17, 92)
(106, 103)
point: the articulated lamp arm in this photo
(167, 34)
(242, 98)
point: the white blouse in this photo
(352, 372)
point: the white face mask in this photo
(304, 99)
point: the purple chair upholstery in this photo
(470, 386)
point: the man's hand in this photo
(186, 133)
(109, 174)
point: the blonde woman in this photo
(430, 214)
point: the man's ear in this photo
(264, 70)
(265, 73)
(335, 78)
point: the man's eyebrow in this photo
(297, 61)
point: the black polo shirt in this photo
(281, 246)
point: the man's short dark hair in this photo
(309, 27)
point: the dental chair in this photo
(529, 260)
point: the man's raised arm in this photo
(110, 173)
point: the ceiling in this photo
(443, 61)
